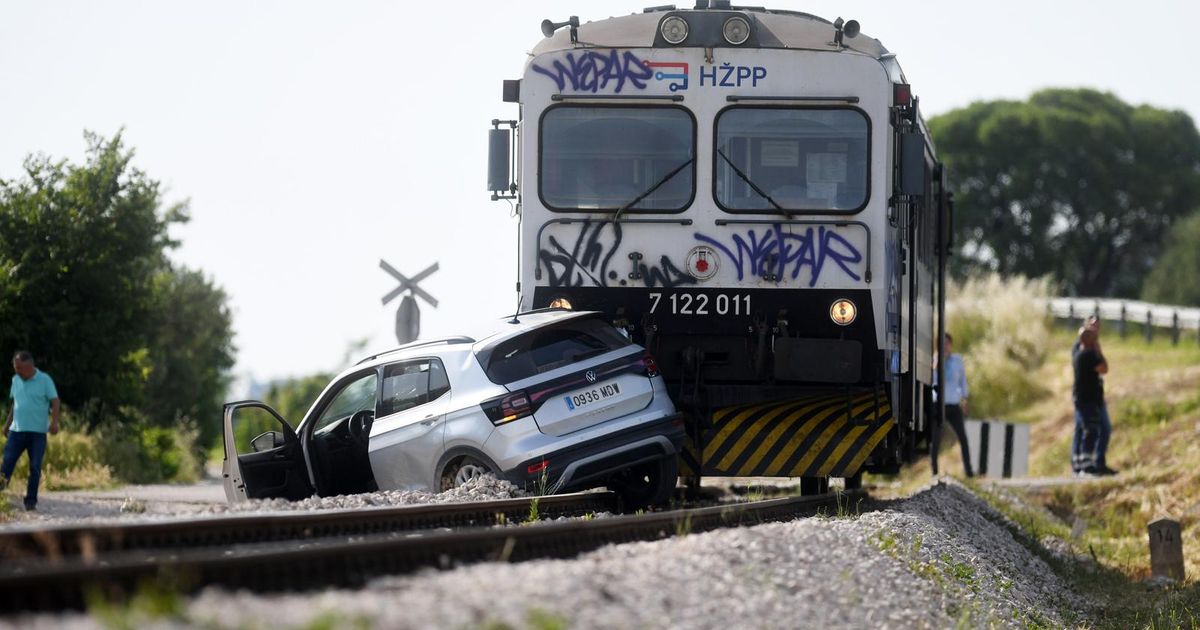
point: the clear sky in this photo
(314, 138)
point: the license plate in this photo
(592, 396)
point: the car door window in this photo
(408, 385)
(355, 396)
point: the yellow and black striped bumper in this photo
(818, 436)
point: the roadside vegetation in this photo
(138, 346)
(1092, 531)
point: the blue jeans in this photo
(1105, 432)
(1098, 454)
(19, 442)
(1090, 435)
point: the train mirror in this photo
(912, 164)
(499, 143)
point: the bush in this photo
(136, 452)
(1004, 334)
(139, 453)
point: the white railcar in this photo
(752, 195)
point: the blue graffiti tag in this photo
(593, 71)
(775, 252)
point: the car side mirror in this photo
(267, 441)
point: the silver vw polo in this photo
(552, 400)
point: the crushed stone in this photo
(941, 558)
(485, 488)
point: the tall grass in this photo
(1001, 328)
(113, 454)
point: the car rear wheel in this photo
(463, 470)
(645, 485)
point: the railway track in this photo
(56, 544)
(70, 581)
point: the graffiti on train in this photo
(775, 253)
(589, 258)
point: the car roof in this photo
(488, 335)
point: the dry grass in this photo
(1001, 327)
(1153, 394)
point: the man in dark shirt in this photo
(1087, 456)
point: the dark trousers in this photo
(19, 442)
(954, 418)
(1089, 447)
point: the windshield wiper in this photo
(753, 186)
(650, 190)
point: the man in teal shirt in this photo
(34, 412)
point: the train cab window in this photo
(605, 158)
(797, 159)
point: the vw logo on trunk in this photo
(590, 376)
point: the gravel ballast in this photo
(938, 559)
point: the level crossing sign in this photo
(408, 316)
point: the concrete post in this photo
(1166, 549)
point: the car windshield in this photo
(547, 348)
(596, 157)
(355, 396)
(791, 159)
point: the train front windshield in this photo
(595, 157)
(802, 158)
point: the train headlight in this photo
(843, 312)
(736, 30)
(674, 29)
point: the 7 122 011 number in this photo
(701, 303)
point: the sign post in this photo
(408, 316)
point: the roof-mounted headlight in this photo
(674, 29)
(736, 30)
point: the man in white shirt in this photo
(956, 397)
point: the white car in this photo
(552, 400)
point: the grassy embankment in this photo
(1153, 394)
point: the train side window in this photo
(804, 159)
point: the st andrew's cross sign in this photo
(408, 316)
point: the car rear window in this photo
(544, 349)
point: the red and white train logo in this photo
(702, 262)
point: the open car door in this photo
(263, 455)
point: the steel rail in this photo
(55, 544)
(75, 581)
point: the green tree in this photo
(292, 397)
(85, 284)
(1072, 182)
(1175, 278)
(81, 246)
(191, 352)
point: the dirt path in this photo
(158, 500)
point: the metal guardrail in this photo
(1125, 312)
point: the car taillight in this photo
(650, 364)
(504, 409)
